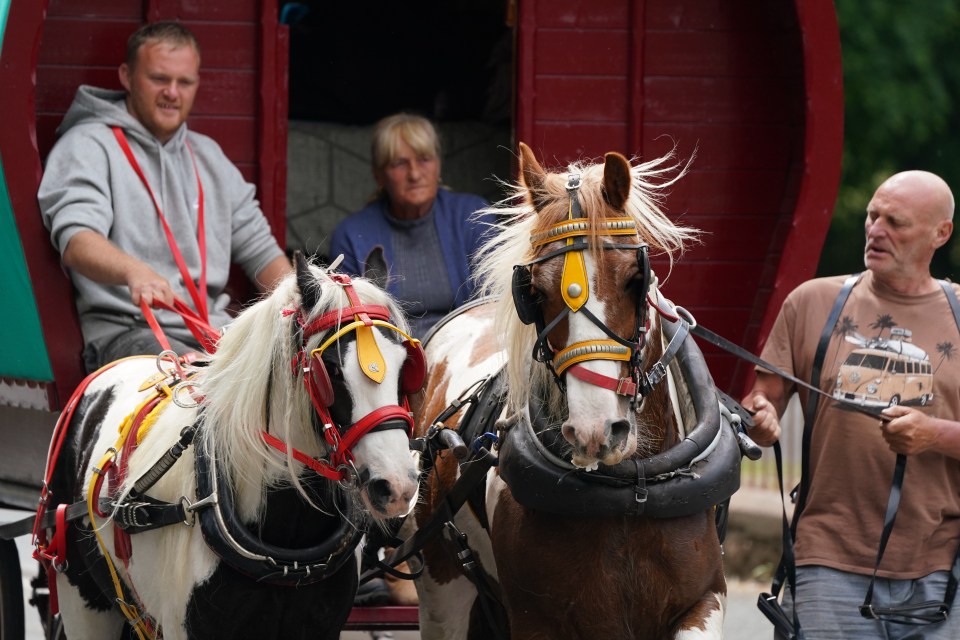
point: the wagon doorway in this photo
(352, 63)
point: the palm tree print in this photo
(946, 351)
(846, 326)
(884, 321)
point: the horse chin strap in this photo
(340, 466)
(575, 290)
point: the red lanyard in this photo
(199, 296)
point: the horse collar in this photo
(232, 541)
(701, 471)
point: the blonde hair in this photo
(416, 131)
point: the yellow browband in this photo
(576, 228)
(590, 350)
(368, 353)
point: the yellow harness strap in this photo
(137, 619)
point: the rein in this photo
(198, 292)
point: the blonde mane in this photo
(519, 219)
(251, 385)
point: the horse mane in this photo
(510, 245)
(251, 384)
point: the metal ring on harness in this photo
(175, 395)
(351, 476)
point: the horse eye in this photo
(334, 370)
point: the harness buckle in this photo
(867, 611)
(573, 181)
(657, 373)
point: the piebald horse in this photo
(294, 436)
(613, 450)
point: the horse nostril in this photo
(379, 492)
(619, 430)
(569, 433)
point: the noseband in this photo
(320, 389)
(574, 288)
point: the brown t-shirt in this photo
(886, 348)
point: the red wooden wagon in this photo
(754, 87)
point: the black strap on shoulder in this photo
(930, 611)
(787, 569)
(812, 400)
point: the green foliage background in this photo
(901, 83)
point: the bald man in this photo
(896, 347)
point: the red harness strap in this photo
(622, 386)
(198, 294)
(341, 454)
(202, 330)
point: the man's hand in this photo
(908, 430)
(147, 285)
(766, 429)
(95, 257)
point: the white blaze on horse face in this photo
(599, 425)
(388, 470)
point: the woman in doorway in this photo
(428, 234)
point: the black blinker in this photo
(524, 299)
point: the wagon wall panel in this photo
(83, 42)
(97, 9)
(587, 99)
(601, 52)
(595, 14)
(717, 54)
(205, 10)
(714, 146)
(764, 16)
(578, 140)
(725, 100)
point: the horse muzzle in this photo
(608, 444)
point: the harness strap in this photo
(205, 333)
(919, 613)
(472, 472)
(788, 565)
(199, 295)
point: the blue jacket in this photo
(459, 231)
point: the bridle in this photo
(574, 288)
(316, 379)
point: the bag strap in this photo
(787, 568)
(924, 612)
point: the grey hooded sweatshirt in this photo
(88, 184)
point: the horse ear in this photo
(616, 180)
(375, 267)
(532, 175)
(309, 288)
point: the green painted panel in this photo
(23, 352)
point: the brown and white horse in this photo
(599, 522)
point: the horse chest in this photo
(231, 605)
(638, 575)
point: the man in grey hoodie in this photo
(140, 208)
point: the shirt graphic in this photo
(885, 370)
